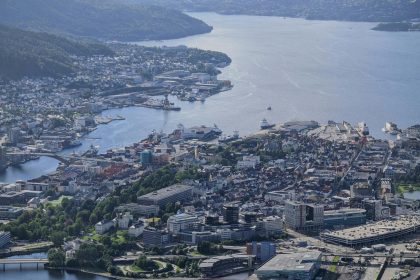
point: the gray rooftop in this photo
(292, 262)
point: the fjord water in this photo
(304, 70)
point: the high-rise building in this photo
(303, 217)
(230, 214)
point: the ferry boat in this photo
(264, 124)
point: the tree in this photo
(56, 257)
(57, 238)
(146, 264)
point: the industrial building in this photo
(302, 266)
(374, 233)
(167, 195)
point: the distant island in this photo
(398, 26)
(350, 10)
(106, 20)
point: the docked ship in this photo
(264, 124)
(160, 104)
(391, 128)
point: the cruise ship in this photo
(264, 124)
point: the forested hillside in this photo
(352, 10)
(26, 53)
(106, 19)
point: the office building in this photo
(5, 238)
(181, 222)
(153, 237)
(10, 213)
(343, 218)
(263, 251)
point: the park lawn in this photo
(58, 201)
(120, 237)
(403, 188)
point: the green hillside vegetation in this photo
(398, 26)
(32, 54)
(106, 19)
(352, 10)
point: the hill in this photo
(398, 26)
(107, 19)
(32, 54)
(351, 10)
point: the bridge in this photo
(67, 159)
(375, 255)
(22, 261)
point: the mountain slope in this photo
(107, 19)
(32, 54)
(352, 10)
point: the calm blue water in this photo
(318, 70)
(29, 272)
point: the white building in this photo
(136, 229)
(123, 220)
(249, 161)
(273, 224)
(180, 222)
(104, 226)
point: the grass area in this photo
(153, 220)
(58, 201)
(120, 238)
(196, 254)
(404, 188)
(134, 268)
(333, 267)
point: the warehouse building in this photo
(167, 195)
(302, 266)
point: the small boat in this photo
(264, 124)
(269, 108)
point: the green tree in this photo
(56, 257)
(57, 238)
